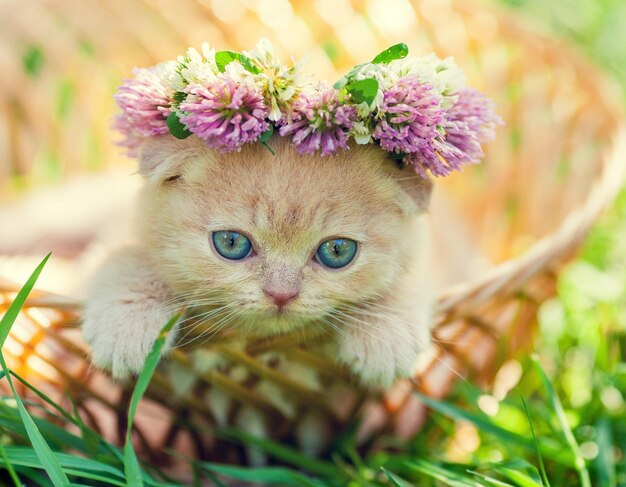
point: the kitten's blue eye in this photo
(232, 245)
(336, 253)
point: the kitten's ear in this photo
(417, 188)
(163, 157)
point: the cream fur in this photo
(378, 308)
(125, 312)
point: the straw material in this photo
(556, 164)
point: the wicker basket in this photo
(554, 167)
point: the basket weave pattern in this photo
(553, 168)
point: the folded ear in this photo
(416, 190)
(163, 157)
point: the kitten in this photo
(237, 235)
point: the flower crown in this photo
(418, 109)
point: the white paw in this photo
(122, 336)
(124, 313)
(378, 359)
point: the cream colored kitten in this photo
(378, 306)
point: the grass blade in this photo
(6, 322)
(57, 436)
(542, 468)
(520, 478)
(35, 477)
(579, 461)
(482, 423)
(25, 457)
(43, 451)
(267, 475)
(45, 398)
(393, 478)
(94, 476)
(281, 452)
(445, 476)
(48, 460)
(491, 480)
(134, 476)
(605, 464)
(9, 466)
(486, 426)
(92, 441)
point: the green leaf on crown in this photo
(177, 128)
(178, 97)
(265, 137)
(397, 51)
(224, 58)
(341, 83)
(398, 158)
(363, 90)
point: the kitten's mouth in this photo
(282, 318)
(282, 314)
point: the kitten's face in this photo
(286, 206)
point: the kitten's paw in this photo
(121, 338)
(125, 311)
(380, 360)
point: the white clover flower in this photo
(363, 109)
(264, 53)
(196, 67)
(443, 74)
(385, 76)
(362, 132)
(280, 83)
(451, 77)
(169, 75)
(238, 73)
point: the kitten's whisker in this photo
(431, 343)
(365, 310)
(198, 304)
(179, 299)
(360, 325)
(367, 324)
(195, 321)
(202, 318)
(335, 327)
(395, 317)
(205, 314)
(372, 305)
(198, 320)
(448, 366)
(215, 328)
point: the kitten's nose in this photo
(280, 297)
